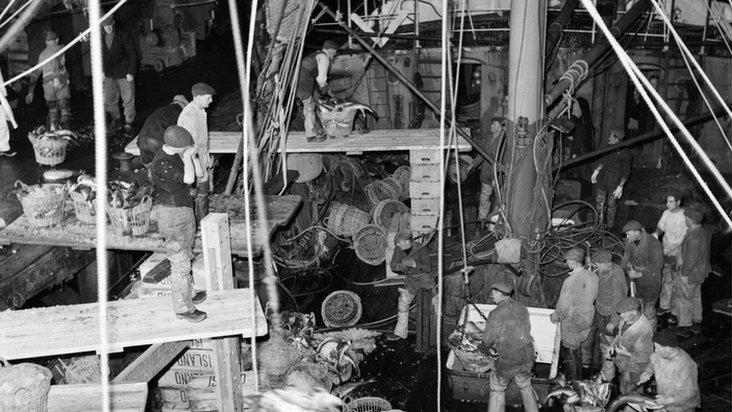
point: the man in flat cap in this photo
(120, 65)
(173, 171)
(630, 350)
(643, 261)
(193, 118)
(612, 288)
(610, 175)
(694, 268)
(576, 311)
(414, 263)
(56, 90)
(676, 375)
(507, 334)
(314, 70)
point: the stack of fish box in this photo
(424, 190)
(474, 386)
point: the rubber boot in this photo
(63, 105)
(572, 363)
(313, 132)
(529, 400)
(484, 205)
(52, 115)
(497, 402)
(402, 327)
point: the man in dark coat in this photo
(508, 334)
(643, 260)
(119, 62)
(150, 139)
(694, 269)
(610, 175)
(314, 71)
(414, 263)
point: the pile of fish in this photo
(123, 195)
(86, 187)
(41, 133)
(337, 115)
(469, 356)
(580, 393)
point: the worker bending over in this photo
(173, 170)
(314, 70)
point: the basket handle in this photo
(20, 185)
(4, 363)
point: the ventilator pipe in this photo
(405, 81)
(554, 32)
(620, 27)
(641, 138)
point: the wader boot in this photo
(528, 398)
(313, 131)
(402, 327)
(497, 401)
(65, 108)
(52, 115)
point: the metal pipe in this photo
(406, 82)
(620, 27)
(398, 36)
(652, 135)
(554, 32)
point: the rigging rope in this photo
(639, 81)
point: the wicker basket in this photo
(341, 308)
(402, 176)
(134, 221)
(49, 152)
(384, 212)
(337, 123)
(370, 244)
(346, 220)
(46, 210)
(380, 190)
(24, 387)
(84, 209)
(368, 404)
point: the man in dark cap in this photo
(610, 175)
(643, 261)
(193, 118)
(676, 375)
(55, 84)
(576, 311)
(173, 171)
(120, 65)
(314, 70)
(507, 335)
(694, 267)
(150, 139)
(630, 350)
(612, 288)
(414, 263)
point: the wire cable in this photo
(19, 24)
(5, 10)
(639, 81)
(100, 154)
(16, 12)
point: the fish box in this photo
(474, 386)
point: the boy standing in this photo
(55, 84)
(173, 170)
(673, 227)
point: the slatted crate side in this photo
(188, 399)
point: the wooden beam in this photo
(128, 397)
(151, 362)
(220, 277)
(58, 330)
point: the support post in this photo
(219, 276)
(525, 92)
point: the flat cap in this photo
(176, 136)
(602, 256)
(576, 254)
(627, 304)
(503, 286)
(632, 225)
(51, 35)
(617, 132)
(330, 44)
(666, 338)
(694, 214)
(200, 89)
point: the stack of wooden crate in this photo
(424, 189)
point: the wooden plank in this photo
(151, 362)
(60, 330)
(383, 140)
(20, 257)
(220, 277)
(76, 234)
(127, 397)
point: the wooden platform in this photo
(373, 141)
(79, 235)
(128, 397)
(70, 329)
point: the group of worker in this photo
(602, 311)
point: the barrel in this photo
(346, 220)
(386, 210)
(370, 244)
